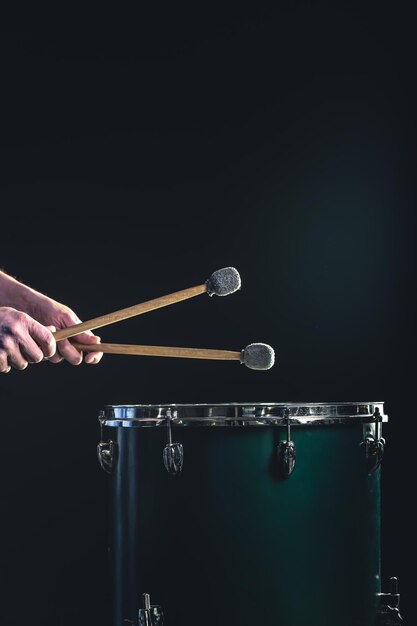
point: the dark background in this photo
(136, 162)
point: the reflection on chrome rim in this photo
(243, 414)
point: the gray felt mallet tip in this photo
(223, 282)
(258, 356)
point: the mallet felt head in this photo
(258, 356)
(223, 282)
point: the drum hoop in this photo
(243, 414)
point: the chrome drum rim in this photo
(243, 414)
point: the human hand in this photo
(52, 313)
(23, 340)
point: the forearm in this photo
(15, 294)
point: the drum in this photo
(244, 514)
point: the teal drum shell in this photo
(230, 540)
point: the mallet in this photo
(256, 356)
(221, 283)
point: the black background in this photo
(137, 161)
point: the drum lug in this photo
(374, 443)
(106, 452)
(374, 453)
(173, 458)
(173, 454)
(287, 454)
(389, 610)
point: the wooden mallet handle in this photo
(185, 353)
(131, 311)
(221, 283)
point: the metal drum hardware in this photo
(149, 615)
(389, 611)
(173, 454)
(374, 443)
(287, 454)
(106, 451)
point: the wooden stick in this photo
(122, 314)
(185, 353)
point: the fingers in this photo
(11, 355)
(22, 340)
(49, 311)
(68, 352)
(65, 350)
(56, 358)
(43, 338)
(4, 363)
(31, 336)
(91, 358)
